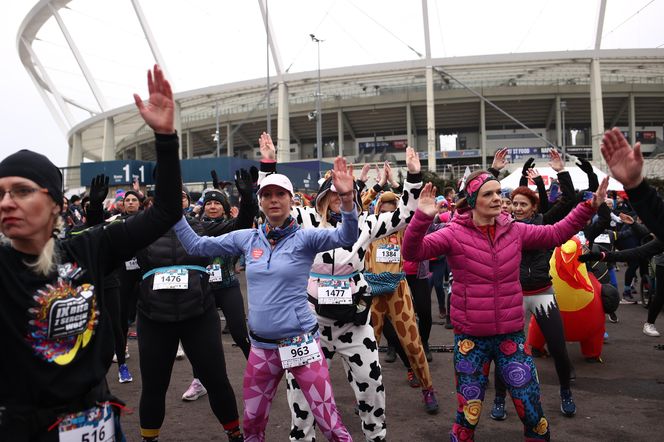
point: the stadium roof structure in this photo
(413, 94)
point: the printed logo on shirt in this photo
(63, 321)
(257, 253)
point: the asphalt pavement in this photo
(621, 399)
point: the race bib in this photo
(389, 253)
(132, 264)
(331, 291)
(298, 350)
(93, 425)
(603, 239)
(214, 271)
(172, 279)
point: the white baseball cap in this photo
(276, 179)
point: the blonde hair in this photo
(48, 258)
(322, 209)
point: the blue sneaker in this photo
(498, 412)
(567, 405)
(123, 374)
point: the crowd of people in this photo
(327, 275)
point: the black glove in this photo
(528, 165)
(585, 166)
(592, 256)
(215, 179)
(244, 184)
(253, 171)
(98, 189)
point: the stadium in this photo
(457, 110)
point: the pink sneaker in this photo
(195, 390)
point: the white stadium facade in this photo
(370, 112)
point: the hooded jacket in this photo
(486, 297)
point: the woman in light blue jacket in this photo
(283, 330)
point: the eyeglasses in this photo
(20, 193)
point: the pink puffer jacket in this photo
(486, 294)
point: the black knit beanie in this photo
(36, 167)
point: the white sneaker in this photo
(650, 330)
(180, 354)
(195, 390)
(115, 357)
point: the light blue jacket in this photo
(276, 277)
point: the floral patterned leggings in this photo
(472, 359)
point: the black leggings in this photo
(230, 301)
(113, 305)
(393, 341)
(657, 302)
(630, 273)
(421, 292)
(201, 340)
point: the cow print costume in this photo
(345, 332)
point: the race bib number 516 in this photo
(93, 425)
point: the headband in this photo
(474, 186)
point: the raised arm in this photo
(196, 245)
(549, 236)
(626, 165)
(417, 245)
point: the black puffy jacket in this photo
(174, 305)
(534, 271)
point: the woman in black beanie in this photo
(55, 333)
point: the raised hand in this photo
(585, 165)
(530, 164)
(234, 212)
(500, 159)
(427, 201)
(625, 163)
(364, 174)
(532, 174)
(215, 179)
(244, 183)
(268, 151)
(253, 171)
(556, 162)
(98, 189)
(342, 176)
(412, 160)
(159, 111)
(600, 196)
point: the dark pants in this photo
(440, 272)
(201, 340)
(421, 293)
(656, 303)
(229, 301)
(630, 273)
(114, 308)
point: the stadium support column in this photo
(190, 145)
(138, 151)
(483, 133)
(632, 120)
(559, 124)
(108, 149)
(283, 125)
(431, 121)
(340, 131)
(596, 109)
(409, 125)
(229, 140)
(75, 160)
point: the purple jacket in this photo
(486, 293)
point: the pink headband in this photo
(473, 187)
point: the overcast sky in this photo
(208, 42)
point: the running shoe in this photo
(124, 375)
(650, 330)
(235, 435)
(567, 405)
(195, 390)
(430, 401)
(412, 379)
(132, 335)
(391, 355)
(498, 412)
(115, 357)
(427, 353)
(448, 323)
(180, 354)
(613, 317)
(628, 299)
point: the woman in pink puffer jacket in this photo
(483, 248)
